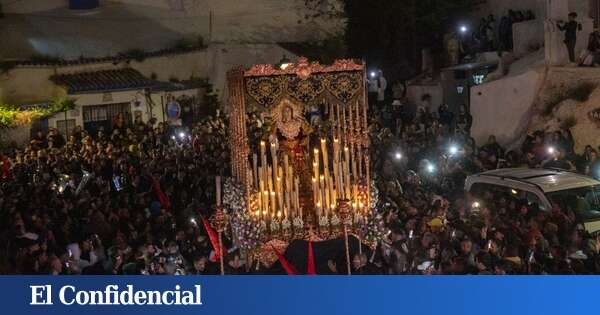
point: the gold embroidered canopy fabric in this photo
(341, 87)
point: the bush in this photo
(568, 123)
(580, 93)
(6, 66)
(184, 44)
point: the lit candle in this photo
(296, 184)
(287, 175)
(255, 169)
(274, 209)
(322, 191)
(339, 130)
(327, 200)
(266, 204)
(315, 189)
(263, 161)
(318, 206)
(347, 172)
(325, 154)
(261, 186)
(359, 157)
(287, 203)
(354, 172)
(279, 193)
(345, 138)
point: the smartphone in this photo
(531, 257)
(117, 183)
(410, 234)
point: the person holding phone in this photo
(570, 28)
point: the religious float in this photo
(300, 165)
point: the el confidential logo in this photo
(115, 295)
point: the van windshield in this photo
(584, 201)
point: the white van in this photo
(543, 187)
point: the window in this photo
(63, 127)
(584, 201)
(491, 192)
(534, 199)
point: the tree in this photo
(13, 116)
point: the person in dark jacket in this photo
(570, 28)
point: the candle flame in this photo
(322, 177)
(335, 140)
(272, 193)
(266, 192)
(262, 143)
(314, 180)
(322, 140)
(279, 214)
(316, 151)
(345, 148)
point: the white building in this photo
(511, 105)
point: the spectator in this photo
(570, 28)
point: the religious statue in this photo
(291, 129)
(292, 132)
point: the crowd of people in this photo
(492, 34)
(111, 203)
(131, 201)
(422, 161)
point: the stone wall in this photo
(503, 107)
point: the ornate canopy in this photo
(338, 91)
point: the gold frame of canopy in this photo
(266, 86)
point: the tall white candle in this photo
(218, 183)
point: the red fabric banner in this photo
(162, 197)
(214, 239)
(5, 168)
(289, 268)
(310, 264)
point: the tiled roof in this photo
(103, 80)
(114, 59)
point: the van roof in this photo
(548, 180)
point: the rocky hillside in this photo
(570, 98)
